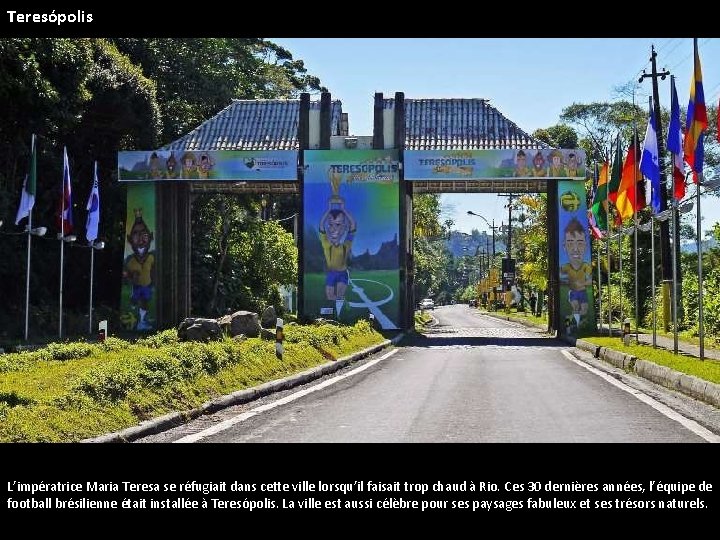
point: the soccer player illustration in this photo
(337, 231)
(140, 269)
(577, 273)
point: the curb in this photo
(694, 387)
(529, 324)
(174, 419)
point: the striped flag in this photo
(93, 208)
(27, 198)
(675, 144)
(696, 122)
(615, 173)
(64, 216)
(627, 199)
(599, 201)
(650, 164)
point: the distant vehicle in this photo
(427, 303)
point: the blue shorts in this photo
(578, 296)
(333, 277)
(141, 292)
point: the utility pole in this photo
(665, 255)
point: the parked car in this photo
(427, 303)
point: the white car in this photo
(427, 303)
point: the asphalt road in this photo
(471, 378)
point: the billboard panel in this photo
(577, 304)
(351, 236)
(494, 164)
(138, 305)
(227, 165)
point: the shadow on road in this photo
(448, 340)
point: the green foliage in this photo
(113, 387)
(559, 136)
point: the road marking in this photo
(692, 425)
(227, 424)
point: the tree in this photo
(559, 136)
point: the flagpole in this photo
(635, 221)
(92, 266)
(701, 330)
(674, 273)
(29, 241)
(609, 295)
(27, 276)
(62, 242)
(652, 257)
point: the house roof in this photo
(253, 124)
(455, 124)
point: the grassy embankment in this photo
(71, 391)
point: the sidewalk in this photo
(684, 347)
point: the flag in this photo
(599, 201)
(615, 173)
(696, 122)
(650, 164)
(674, 144)
(64, 215)
(27, 197)
(596, 232)
(93, 208)
(627, 196)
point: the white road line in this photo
(227, 424)
(692, 425)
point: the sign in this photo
(217, 165)
(494, 164)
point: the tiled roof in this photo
(455, 124)
(253, 124)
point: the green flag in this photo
(599, 202)
(27, 198)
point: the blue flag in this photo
(649, 162)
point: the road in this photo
(471, 378)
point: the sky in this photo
(529, 80)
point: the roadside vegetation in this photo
(71, 391)
(707, 369)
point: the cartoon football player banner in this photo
(494, 164)
(351, 229)
(577, 304)
(229, 165)
(138, 295)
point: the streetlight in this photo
(493, 227)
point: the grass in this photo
(708, 370)
(69, 392)
(422, 318)
(711, 342)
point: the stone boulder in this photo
(198, 329)
(244, 322)
(269, 317)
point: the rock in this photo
(244, 322)
(269, 317)
(268, 334)
(199, 329)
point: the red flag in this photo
(629, 193)
(64, 216)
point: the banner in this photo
(227, 165)
(138, 296)
(577, 305)
(351, 231)
(494, 164)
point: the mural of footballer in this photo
(140, 269)
(577, 273)
(337, 231)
